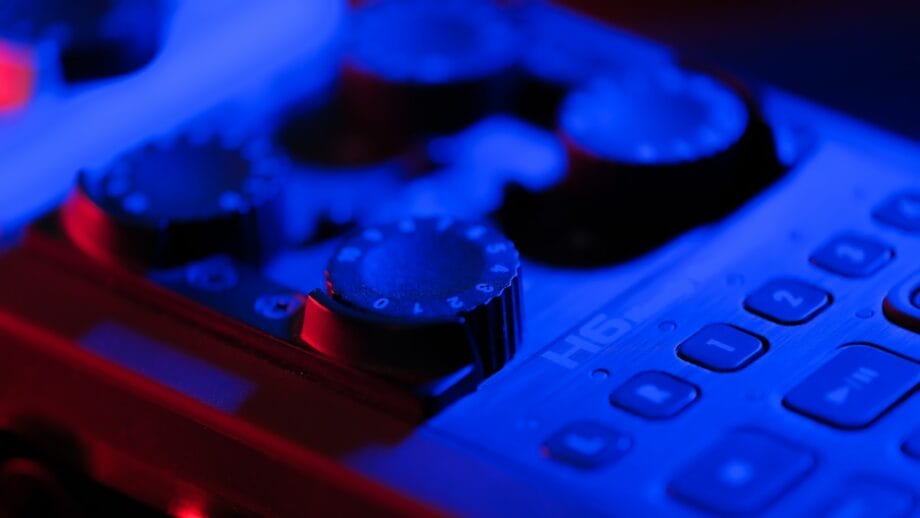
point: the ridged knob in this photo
(650, 155)
(175, 202)
(419, 299)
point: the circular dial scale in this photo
(667, 117)
(174, 202)
(650, 154)
(182, 182)
(422, 269)
(419, 299)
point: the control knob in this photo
(418, 300)
(170, 203)
(650, 155)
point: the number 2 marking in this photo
(788, 298)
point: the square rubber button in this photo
(587, 445)
(901, 211)
(742, 474)
(870, 499)
(852, 256)
(654, 395)
(855, 387)
(722, 347)
(787, 301)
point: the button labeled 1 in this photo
(787, 301)
(722, 348)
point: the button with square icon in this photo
(655, 395)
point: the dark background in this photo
(862, 58)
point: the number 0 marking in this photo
(381, 303)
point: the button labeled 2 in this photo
(787, 301)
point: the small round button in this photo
(175, 202)
(419, 298)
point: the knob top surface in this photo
(181, 182)
(422, 268)
(669, 116)
(423, 42)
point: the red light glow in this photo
(17, 77)
(188, 510)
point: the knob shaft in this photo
(418, 300)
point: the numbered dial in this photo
(433, 66)
(169, 204)
(96, 38)
(650, 154)
(662, 118)
(432, 295)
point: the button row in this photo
(850, 391)
(743, 473)
(748, 469)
